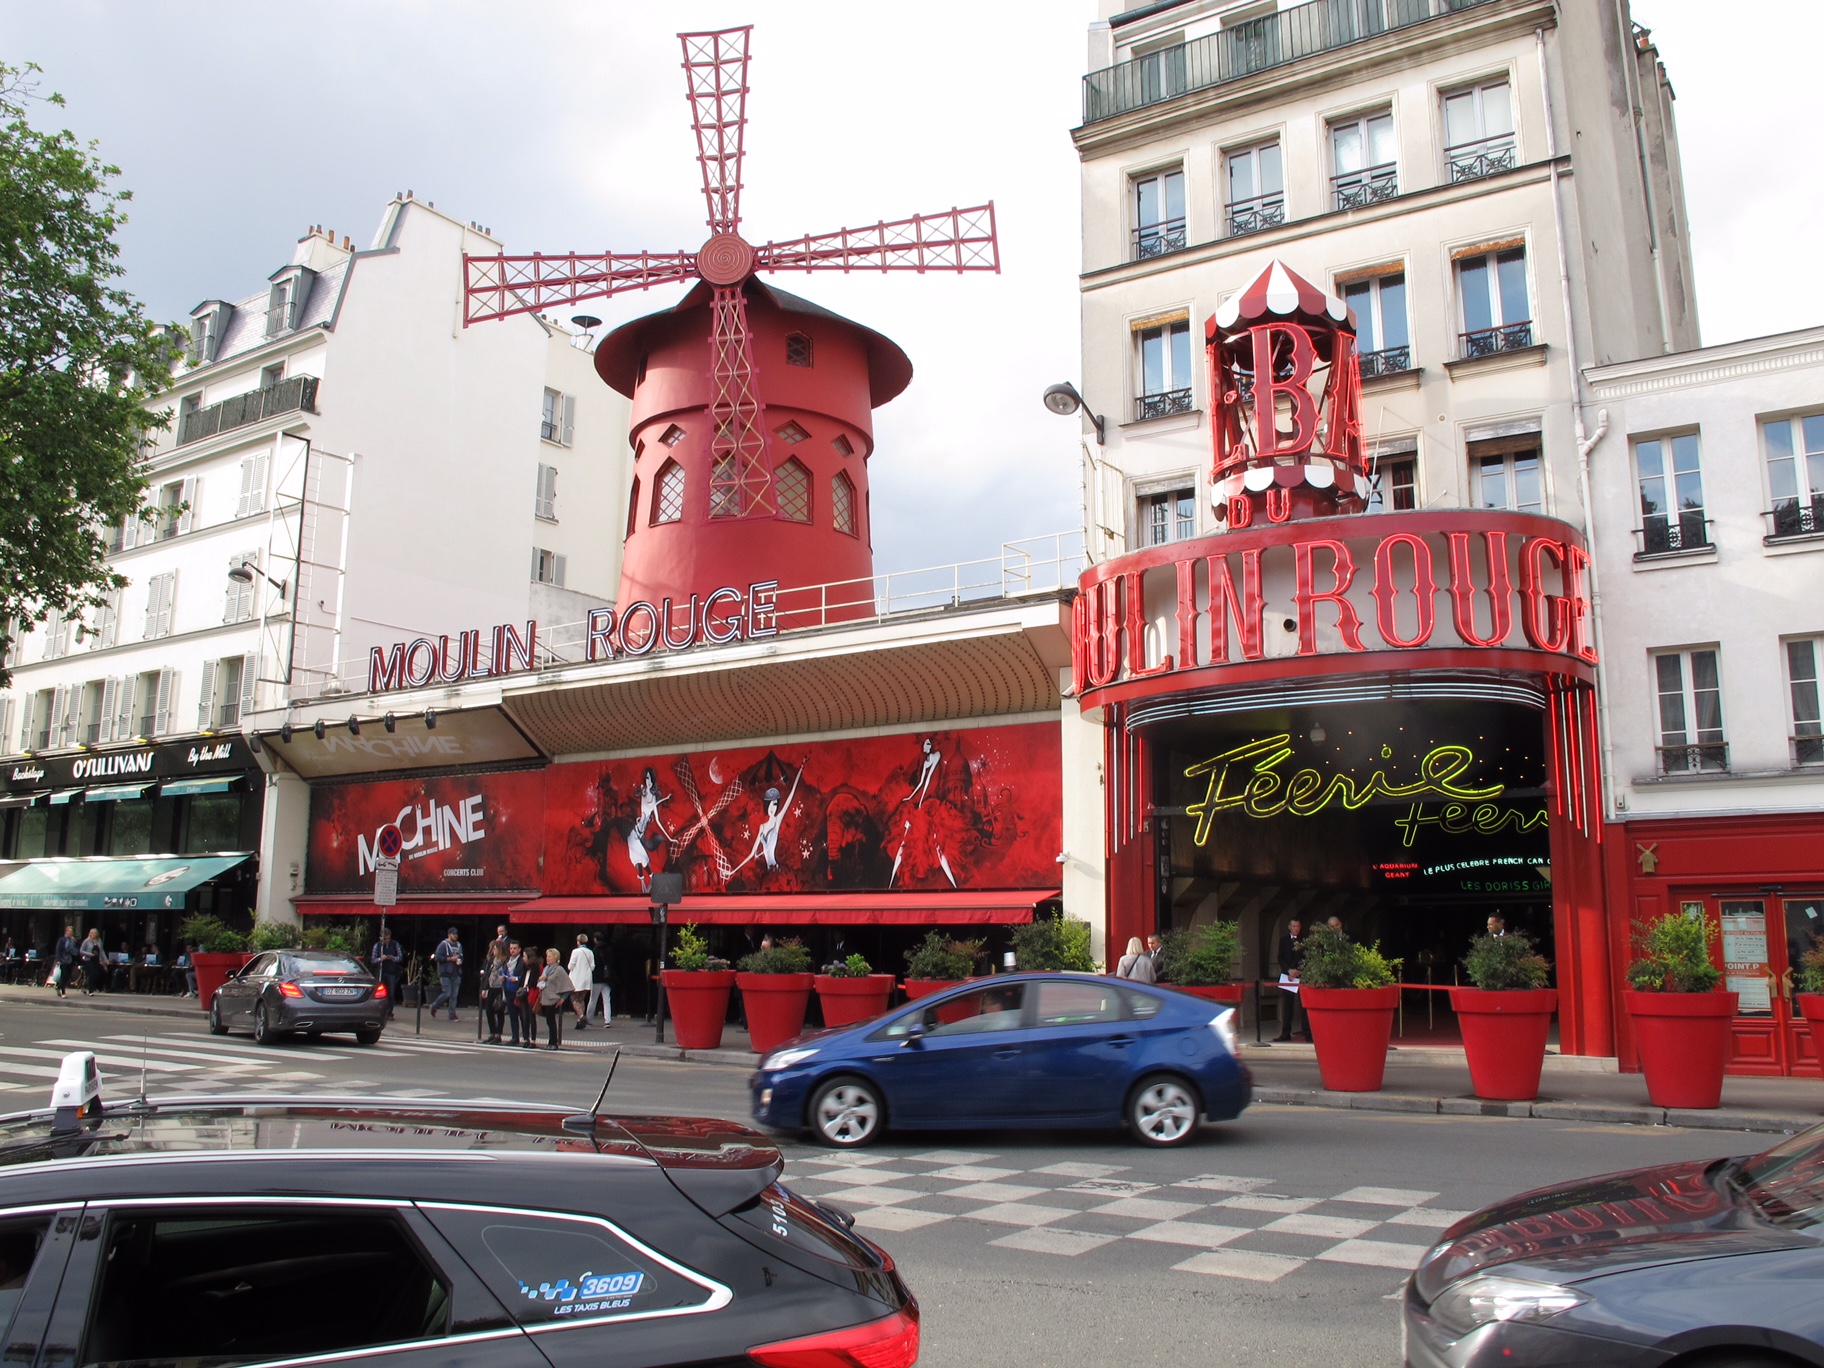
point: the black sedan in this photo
(1720, 1261)
(422, 1235)
(284, 992)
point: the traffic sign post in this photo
(387, 846)
(666, 890)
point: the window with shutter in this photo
(205, 698)
(164, 701)
(192, 489)
(545, 502)
(60, 706)
(6, 726)
(72, 715)
(242, 598)
(161, 597)
(110, 706)
(123, 707)
(278, 308)
(557, 570)
(250, 678)
(550, 418)
(26, 739)
(567, 433)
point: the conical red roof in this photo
(1280, 292)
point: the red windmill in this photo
(716, 512)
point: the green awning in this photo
(113, 793)
(183, 788)
(64, 795)
(18, 800)
(149, 885)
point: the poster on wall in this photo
(463, 833)
(979, 808)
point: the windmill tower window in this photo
(668, 500)
(800, 351)
(844, 447)
(791, 433)
(842, 504)
(793, 482)
(672, 435)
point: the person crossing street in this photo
(449, 972)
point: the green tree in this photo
(78, 362)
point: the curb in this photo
(746, 1059)
(1769, 1123)
(146, 1005)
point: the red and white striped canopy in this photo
(1281, 292)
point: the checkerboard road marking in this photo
(1241, 1263)
(1044, 1240)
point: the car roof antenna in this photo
(596, 1110)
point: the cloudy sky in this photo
(563, 126)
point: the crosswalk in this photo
(182, 1062)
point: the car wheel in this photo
(216, 1025)
(847, 1113)
(1162, 1111)
(367, 1037)
(263, 1032)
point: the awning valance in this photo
(422, 905)
(183, 788)
(951, 907)
(113, 793)
(151, 884)
(17, 800)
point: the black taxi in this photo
(285, 1230)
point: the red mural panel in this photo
(979, 808)
(463, 833)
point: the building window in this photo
(1690, 712)
(792, 483)
(1479, 131)
(633, 508)
(176, 509)
(226, 692)
(557, 418)
(1159, 69)
(1396, 485)
(1168, 517)
(1380, 324)
(842, 504)
(790, 433)
(241, 597)
(1257, 189)
(672, 435)
(844, 447)
(1158, 214)
(800, 350)
(1165, 370)
(278, 307)
(1795, 476)
(151, 696)
(255, 469)
(1508, 474)
(1496, 314)
(724, 490)
(1671, 496)
(547, 567)
(1802, 685)
(1362, 161)
(668, 494)
(106, 631)
(161, 604)
(56, 634)
(544, 500)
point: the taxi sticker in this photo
(589, 1294)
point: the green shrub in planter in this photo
(1053, 943)
(1509, 961)
(786, 957)
(1675, 955)
(270, 935)
(855, 966)
(351, 939)
(211, 935)
(1332, 960)
(692, 953)
(1201, 956)
(946, 960)
(1810, 977)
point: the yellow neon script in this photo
(1307, 792)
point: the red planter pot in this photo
(698, 1005)
(1504, 1033)
(1684, 1044)
(849, 1000)
(775, 1006)
(215, 968)
(1350, 1028)
(1229, 994)
(1811, 1006)
(918, 988)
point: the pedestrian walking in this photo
(66, 955)
(1291, 957)
(493, 991)
(93, 957)
(554, 989)
(582, 980)
(1136, 964)
(388, 959)
(449, 972)
(601, 979)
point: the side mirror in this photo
(915, 1032)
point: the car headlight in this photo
(784, 1059)
(1479, 1301)
(1223, 1023)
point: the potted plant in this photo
(851, 991)
(1681, 1022)
(697, 988)
(1809, 980)
(221, 951)
(1201, 961)
(1054, 943)
(272, 935)
(1350, 993)
(937, 963)
(775, 983)
(1506, 1016)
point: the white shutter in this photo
(250, 679)
(262, 466)
(110, 706)
(205, 699)
(557, 570)
(129, 531)
(123, 707)
(25, 721)
(72, 716)
(165, 699)
(167, 602)
(244, 505)
(152, 590)
(537, 565)
(187, 519)
(6, 725)
(567, 431)
(60, 702)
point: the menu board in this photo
(1747, 969)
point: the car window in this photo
(226, 1286)
(1786, 1184)
(1142, 1006)
(996, 1008)
(20, 1240)
(260, 965)
(327, 966)
(1078, 1004)
(561, 1269)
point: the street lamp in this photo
(1063, 400)
(246, 570)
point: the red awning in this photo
(409, 905)
(949, 908)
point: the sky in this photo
(563, 126)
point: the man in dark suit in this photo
(1290, 958)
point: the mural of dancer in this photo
(639, 844)
(929, 831)
(766, 839)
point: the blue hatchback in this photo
(1040, 1050)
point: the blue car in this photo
(1041, 1050)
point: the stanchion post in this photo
(666, 890)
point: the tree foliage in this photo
(78, 362)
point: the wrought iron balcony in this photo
(1492, 341)
(1359, 189)
(1254, 215)
(1663, 535)
(1807, 750)
(1386, 361)
(228, 715)
(91, 733)
(1256, 45)
(241, 410)
(1158, 239)
(1707, 757)
(1488, 157)
(1795, 518)
(1162, 405)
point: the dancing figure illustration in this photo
(637, 848)
(766, 839)
(926, 832)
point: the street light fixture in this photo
(246, 570)
(1063, 400)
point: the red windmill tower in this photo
(751, 407)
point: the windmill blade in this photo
(740, 475)
(955, 240)
(715, 71)
(500, 286)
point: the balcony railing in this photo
(91, 733)
(1684, 535)
(1245, 48)
(1488, 157)
(1706, 757)
(1807, 750)
(1162, 405)
(1157, 239)
(228, 715)
(1492, 341)
(1386, 361)
(242, 410)
(148, 724)
(1251, 216)
(1359, 189)
(1791, 518)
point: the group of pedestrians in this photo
(1141, 962)
(519, 985)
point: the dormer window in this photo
(208, 325)
(285, 302)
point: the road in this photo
(1276, 1238)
